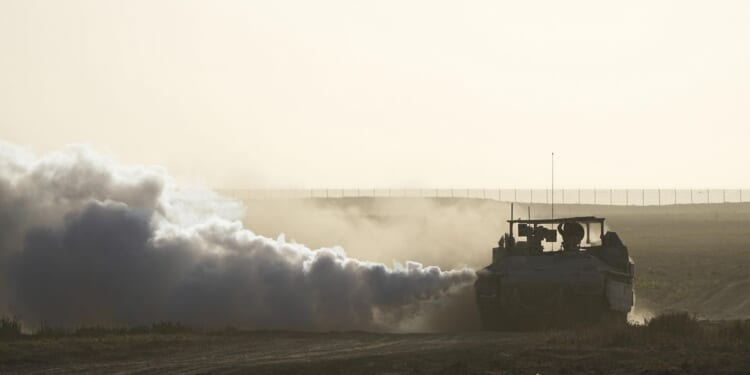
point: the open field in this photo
(672, 347)
(688, 257)
(694, 258)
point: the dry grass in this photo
(10, 328)
(672, 343)
(670, 330)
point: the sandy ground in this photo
(688, 257)
(365, 353)
(252, 352)
(695, 258)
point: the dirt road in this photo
(366, 353)
(254, 352)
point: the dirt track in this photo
(257, 352)
(366, 353)
(695, 258)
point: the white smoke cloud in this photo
(85, 240)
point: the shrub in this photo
(162, 328)
(674, 324)
(738, 331)
(10, 328)
(97, 331)
(46, 330)
(169, 328)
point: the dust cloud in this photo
(450, 233)
(86, 240)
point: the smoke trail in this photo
(84, 240)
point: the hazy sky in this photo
(388, 93)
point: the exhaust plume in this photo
(84, 240)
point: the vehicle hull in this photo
(555, 290)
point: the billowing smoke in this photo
(84, 240)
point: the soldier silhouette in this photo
(572, 234)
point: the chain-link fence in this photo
(619, 197)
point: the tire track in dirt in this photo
(225, 355)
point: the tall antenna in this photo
(552, 245)
(553, 185)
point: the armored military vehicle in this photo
(532, 285)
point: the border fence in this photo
(614, 197)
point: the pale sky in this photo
(388, 93)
